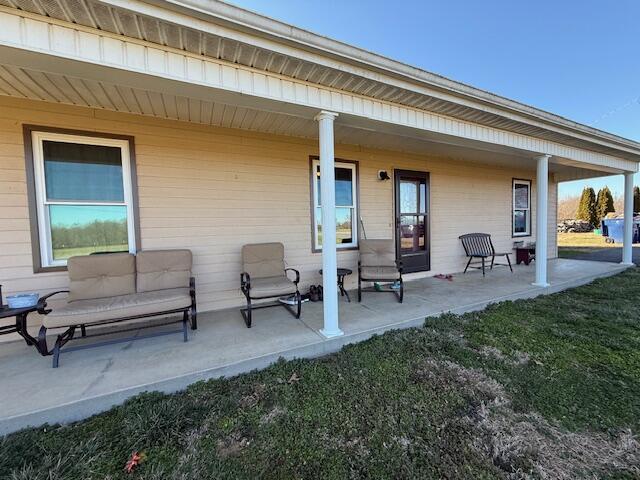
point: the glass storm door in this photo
(412, 219)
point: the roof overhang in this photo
(248, 46)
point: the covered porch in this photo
(90, 381)
(224, 124)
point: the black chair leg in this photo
(493, 259)
(359, 289)
(185, 321)
(42, 347)
(467, 267)
(483, 266)
(56, 352)
(193, 315)
(246, 313)
(83, 331)
(401, 290)
(299, 304)
(509, 262)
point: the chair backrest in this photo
(477, 244)
(101, 276)
(377, 253)
(163, 269)
(262, 260)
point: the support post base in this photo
(541, 285)
(331, 333)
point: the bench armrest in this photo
(42, 302)
(245, 282)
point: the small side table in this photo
(525, 254)
(342, 272)
(20, 326)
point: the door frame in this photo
(397, 173)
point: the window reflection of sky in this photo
(68, 215)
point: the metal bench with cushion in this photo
(264, 276)
(479, 246)
(120, 287)
(378, 263)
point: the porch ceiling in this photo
(66, 89)
(220, 35)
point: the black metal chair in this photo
(264, 276)
(378, 263)
(479, 246)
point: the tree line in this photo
(97, 233)
(593, 208)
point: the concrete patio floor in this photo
(90, 381)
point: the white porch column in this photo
(627, 244)
(328, 195)
(542, 207)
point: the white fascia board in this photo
(93, 50)
(235, 23)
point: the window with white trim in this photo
(521, 217)
(84, 198)
(346, 205)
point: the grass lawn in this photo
(589, 239)
(542, 388)
(572, 244)
(62, 253)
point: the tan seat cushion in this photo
(379, 273)
(163, 269)
(271, 287)
(100, 276)
(377, 253)
(95, 311)
(263, 260)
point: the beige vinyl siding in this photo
(213, 189)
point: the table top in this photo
(5, 311)
(342, 271)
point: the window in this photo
(84, 199)
(521, 208)
(346, 205)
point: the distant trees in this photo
(604, 205)
(587, 206)
(95, 234)
(636, 199)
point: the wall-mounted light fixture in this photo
(383, 175)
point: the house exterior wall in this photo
(213, 189)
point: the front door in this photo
(412, 219)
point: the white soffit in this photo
(37, 85)
(144, 21)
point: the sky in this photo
(575, 58)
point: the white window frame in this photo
(354, 206)
(44, 222)
(517, 181)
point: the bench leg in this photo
(509, 262)
(483, 266)
(467, 267)
(56, 353)
(246, 313)
(185, 321)
(193, 316)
